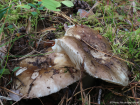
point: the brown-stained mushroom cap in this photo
(80, 53)
(90, 36)
(45, 75)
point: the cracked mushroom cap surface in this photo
(113, 71)
(43, 75)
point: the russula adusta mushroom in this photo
(45, 75)
(101, 51)
(80, 53)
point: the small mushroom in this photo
(80, 53)
(45, 74)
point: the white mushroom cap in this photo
(46, 75)
(80, 53)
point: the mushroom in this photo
(101, 51)
(43, 75)
(102, 66)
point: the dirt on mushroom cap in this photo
(41, 79)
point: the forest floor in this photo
(28, 32)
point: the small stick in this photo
(62, 100)
(31, 86)
(99, 96)
(19, 99)
(1, 102)
(89, 100)
(19, 81)
(27, 55)
(129, 83)
(10, 91)
(90, 11)
(73, 93)
(81, 85)
(88, 89)
(134, 94)
(5, 98)
(40, 101)
(67, 17)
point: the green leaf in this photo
(138, 20)
(10, 26)
(2, 12)
(15, 69)
(4, 9)
(24, 6)
(32, 5)
(68, 3)
(4, 71)
(51, 4)
(34, 13)
(41, 8)
(137, 31)
(39, 3)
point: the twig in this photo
(99, 96)
(40, 101)
(116, 93)
(5, 98)
(130, 82)
(129, 89)
(90, 11)
(88, 89)
(31, 86)
(65, 16)
(81, 85)
(134, 94)
(22, 84)
(94, 103)
(62, 100)
(15, 26)
(27, 55)
(122, 95)
(89, 100)
(19, 99)
(78, 93)
(10, 91)
(1, 102)
(73, 93)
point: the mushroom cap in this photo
(45, 75)
(79, 53)
(90, 36)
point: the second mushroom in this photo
(97, 62)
